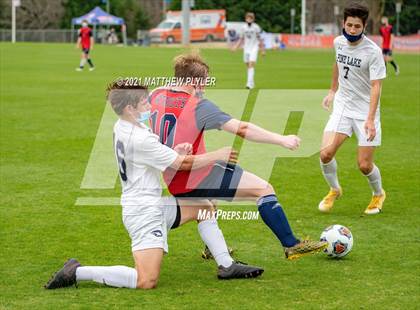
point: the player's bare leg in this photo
(370, 170)
(331, 142)
(252, 187)
(148, 264)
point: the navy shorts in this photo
(85, 50)
(387, 52)
(221, 183)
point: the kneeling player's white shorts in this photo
(347, 125)
(149, 228)
(251, 55)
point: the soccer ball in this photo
(340, 240)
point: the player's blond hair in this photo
(190, 66)
(250, 14)
(120, 95)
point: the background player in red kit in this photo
(387, 43)
(85, 42)
(181, 114)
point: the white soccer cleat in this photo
(79, 69)
(91, 68)
(327, 203)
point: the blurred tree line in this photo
(272, 16)
(54, 14)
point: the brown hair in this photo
(357, 9)
(250, 14)
(120, 95)
(190, 66)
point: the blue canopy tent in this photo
(99, 17)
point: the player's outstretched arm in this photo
(255, 133)
(78, 42)
(192, 162)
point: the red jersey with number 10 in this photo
(386, 32)
(173, 120)
(85, 33)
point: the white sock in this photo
(329, 170)
(82, 62)
(250, 81)
(213, 238)
(117, 276)
(375, 181)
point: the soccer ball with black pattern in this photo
(340, 240)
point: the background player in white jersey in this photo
(355, 90)
(146, 215)
(251, 39)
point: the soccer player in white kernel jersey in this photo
(355, 91)
(251, 39)
(147, 216)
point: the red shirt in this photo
(85, 33)
(386, 32)
(173, 118)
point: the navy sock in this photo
(393, 64)
(90, 62)
(274, 217)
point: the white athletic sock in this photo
(213, 238)
(250, 81)
(329, 170)
(117, 276)
(82, 62)
(375, 181)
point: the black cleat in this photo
(66, 276)
(239, 270)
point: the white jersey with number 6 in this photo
(357, 67)
(141, 158)
(251, 35)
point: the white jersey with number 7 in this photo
(357, 67)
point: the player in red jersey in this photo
(85, 42)
(387, 43)
(181, 114)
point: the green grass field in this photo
(49, 120)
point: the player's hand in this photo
(228, 154)
(183, 148)
(328, 100)
(370, 130)
(291, 142)
(263, 53)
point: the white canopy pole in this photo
(15, 3)
(186, 22)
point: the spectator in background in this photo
(387, 43)
(85, 42)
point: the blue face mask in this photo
(351, 38)
(143, 117)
